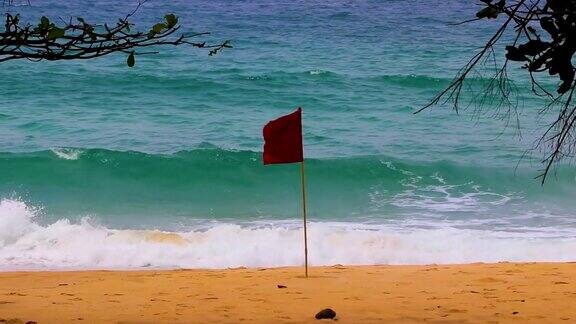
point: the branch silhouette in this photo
(544, 42)
(78, 39)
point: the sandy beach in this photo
(474, 293)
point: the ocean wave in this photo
(64, 244)
(215, 183)
(238, 79)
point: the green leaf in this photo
(55, 33)
(158, 28)
(171, 20)
(44, 22)
(131, 60)
(43, 25)
(489, 12)
(80, 19)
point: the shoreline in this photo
(272, 268)
(477, 293)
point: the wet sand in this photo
(474, 293)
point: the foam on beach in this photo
(64, 244)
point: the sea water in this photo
(159, 166)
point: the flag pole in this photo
(303, 181)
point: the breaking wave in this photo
(64, 244)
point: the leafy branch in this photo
(77, 39)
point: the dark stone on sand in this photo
(514, 313)
(326, 314)
(31, 322)
(281, 286)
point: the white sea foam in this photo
(317, 72)
(446, 198)
(25, 244)
(439, 196)
(67, 153)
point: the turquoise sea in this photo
(97, 158)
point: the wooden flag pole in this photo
(303, 180)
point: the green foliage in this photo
(44, 22)
(78, 39)
(159, 27)
(43, 26)
(171, 20)
(491, 11)
(48, 29)
(55, 33)
(131, 61)
(156, 29)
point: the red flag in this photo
(283, 139)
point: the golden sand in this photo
(475, 293)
